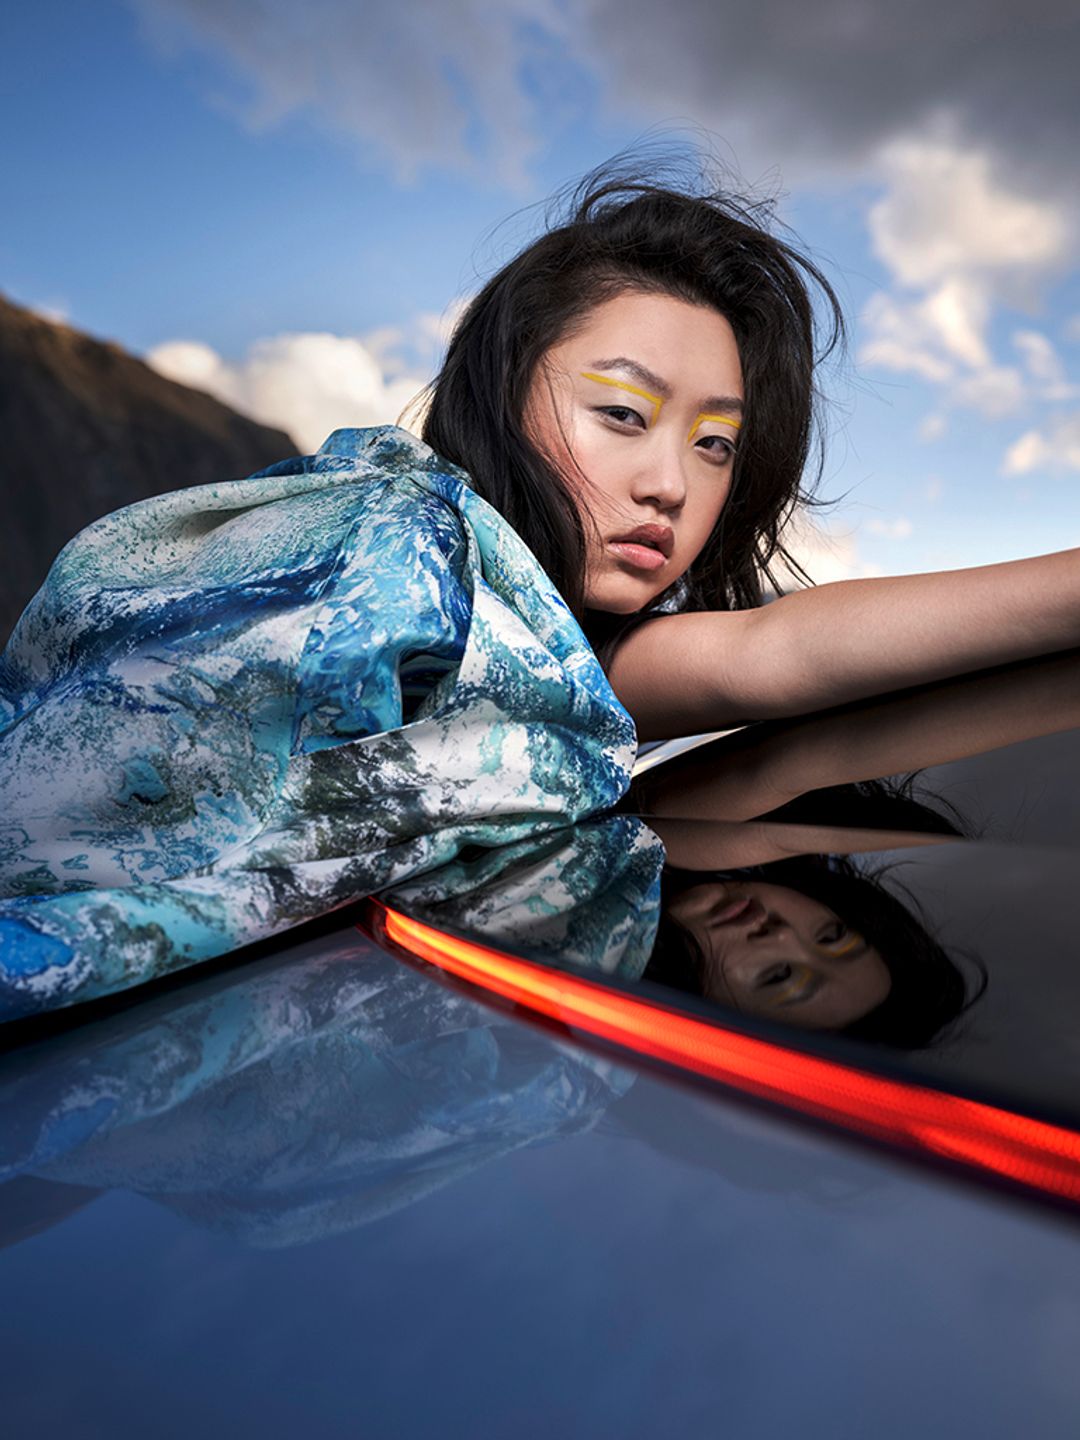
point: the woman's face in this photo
(772, 951)
(639, 410)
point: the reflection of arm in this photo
(692, 845)
(682, 674)
(907, 732)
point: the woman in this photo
(662, 482)
(235, 707)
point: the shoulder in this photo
(285, 518)
(278, 537)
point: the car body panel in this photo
(325, 1190)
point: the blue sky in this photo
(282, 204)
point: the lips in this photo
(655, 537)
(745, 909)
(645, 548)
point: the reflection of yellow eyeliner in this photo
(795, 987)
(852, 943)
(654, 400)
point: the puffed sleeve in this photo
(237, 707)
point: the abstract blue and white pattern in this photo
(296, 1098)
(238, 706)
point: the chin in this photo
(619, 595)
(617, 605)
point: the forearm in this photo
(759, 769)
(855, 638)
(826, 646)
(928, 726)
(691, 845)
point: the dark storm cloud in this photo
(821, 86)
(814, 86)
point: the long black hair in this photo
(615, 232)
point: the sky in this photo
(287, 205)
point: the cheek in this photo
(594, 481)
(579, 463)
(715, 983)
(719, 500)
(706, 518)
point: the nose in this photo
(766, 928)
(758, 922)
(661, 480)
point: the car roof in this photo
(330, 1188)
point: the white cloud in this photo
(932, 427)
(418, 345)
(899, 528)
(307, 384)
(946, 214)
(958, 241)
(931, 337)
(1044, 365)
(1040, 357)
(1054, 449)
(995, 391)
(902, 336)
(57, 312)
(957, 311)
(826, 552)
(413, 85)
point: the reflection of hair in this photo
(929, 990)
(623, 232)
(892, 804)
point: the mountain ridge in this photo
(89, 427)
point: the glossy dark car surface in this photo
(328, 1190)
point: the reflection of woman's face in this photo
(773, 951)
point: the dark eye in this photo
(622, 415)
(718, 446)
(841, 939)
(776, 975)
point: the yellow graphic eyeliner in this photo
(851, 944)
(654, 400)
(720, 420)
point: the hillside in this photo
(87, 428)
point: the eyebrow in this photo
(728, 403)
(654, 400)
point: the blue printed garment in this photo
(238, 706)
(588, 896)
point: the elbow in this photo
(776, 675)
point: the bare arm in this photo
(756, 772)
(691, 845)
(681, 674)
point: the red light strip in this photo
(1044, 1157)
